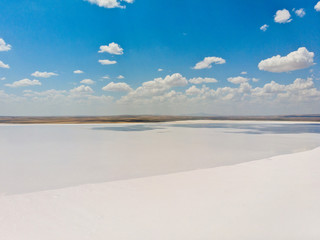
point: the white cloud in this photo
(238, 80)
(255, 79)
(106, 77)
(77, 71)
(3, 65)
(264, 27)
(24, 83)
(43, 74)
(282, 16)
(200, 80)
(107, 62)
(81, 90)
(156, 87)
(117, 87)
(295, 60)
(120, 77)
(112, 48)
(300, 12)
(3, 78)
(243, 73)
(110, 3)
(87, 81)
(193, 90)
(52, 93)
(4, 46)
(208, 61)
(317, 7)
(160, 70)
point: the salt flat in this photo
(43, 157)
(276, 198)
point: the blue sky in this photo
(63, 36)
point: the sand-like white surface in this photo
(270, 199)
(42, 157)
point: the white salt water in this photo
(43, 157)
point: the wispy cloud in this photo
(107, 62)
(208, 61)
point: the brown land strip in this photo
(148, 119)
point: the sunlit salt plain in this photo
(184, 180)
(42, 157)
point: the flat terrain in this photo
(275, 198)
(146, 119)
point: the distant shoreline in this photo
(149, 119)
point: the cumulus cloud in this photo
(106, 77)
(264, 27)
(3, 65)
(255, 79)
(87, 81)
(282, 16)
(110, 3)
(77, 71)
(4, 46)
(193, 90)
(81, 90)
(238, 80)
(156, 87)
(3, 78)
(24, 83)
(117, 87)
(43, 74)
(200, 80)
(243, 73)
(300, 12)
(112, 48)
(107, 62)
(317, 7)
(160, 70)
(295, 60)
(208, 61)
(120, 77)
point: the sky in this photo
(205, 57)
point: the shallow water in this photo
(41, 157)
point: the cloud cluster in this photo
(295, 60)
(117, 87)
(4, 46)
(81, 90)
(237, 80)
(110, 3)
(156, 87)
(112, 48)
(200, 80)
(300, 12)
(282, 16)
(24, 83)
(208, 61)
(43, 74)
